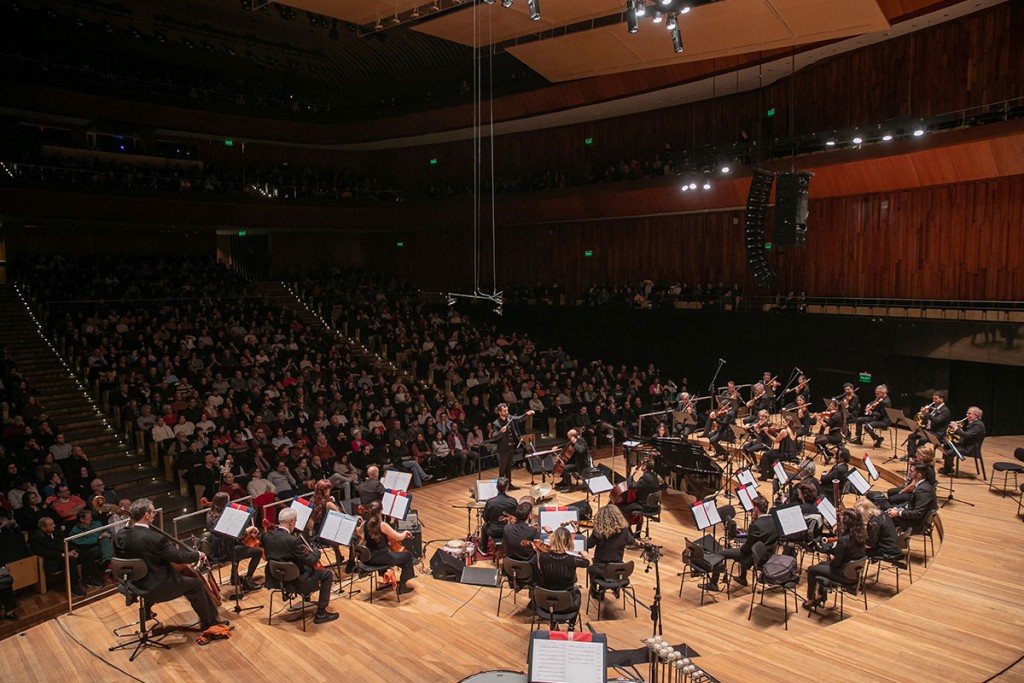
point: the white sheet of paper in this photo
(485, 489)
(872, 470)
(397, 480)
(338, 527)
(700, 515)
(599, 484)
(858, 481)
(711, 508)
(746, 495)
(395, 505)
(579, 542)
(827, 510)
(563, 661)
(630, 444)
(233, 521)
(780, 473)
(744, 477)
(790, 519)
(555, 518)
(302, 512)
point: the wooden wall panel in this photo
(134, 241)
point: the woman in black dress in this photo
(848, 548)
(557, 568)
(610, 537)
(376, 533)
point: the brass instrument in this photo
(951, 430)
(923, 415)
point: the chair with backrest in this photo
(651, 511)
(280, 574)
(898, 561)
(615, 577)
(931, 524)
(129, 572)
(979, 461)
(699, 563)
(1008, 468)
(852, 583)
(363, 569)
(769, 581)
(518, 574)
(555, 607)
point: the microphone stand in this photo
(711, 387)
(651, 554)
(960, 458)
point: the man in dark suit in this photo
(762, 528)
(371, 490)
(922, 501)
(516, 532)
(840, 472)
(48, 543)
(971, 433)
(580, 461)
(874, 418)
(723, 419)
(494, 509)
(507, 431)
(936, 418)
(282, 545)
(163, 582)
(643, 481)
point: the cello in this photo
(563, 459)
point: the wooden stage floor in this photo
(961, 620)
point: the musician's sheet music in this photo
(303, 509)
(555, 517)
(396, 504)
(780, 472)
(485, 489)
(872, 470)
(233, 521)
(746, 495)
(745, 478)
(858, 481)
(630, 444)
(790, 520)
(827, 510)
(397, 480)
(338, 527)
(599, 484)
(566, 661)
(705, 513)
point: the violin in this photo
(538, 545)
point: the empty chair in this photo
(615, 578)
(518, 574)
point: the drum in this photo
(496, 677)
(455, 548)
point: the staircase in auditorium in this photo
(66, 399)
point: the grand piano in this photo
(683, 464)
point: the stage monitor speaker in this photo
(414, 544)
(791, 209)
(444, 567)
(480, 576)
(613, 477)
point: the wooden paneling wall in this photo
(133, 241)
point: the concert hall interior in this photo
(399, 340)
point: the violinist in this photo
(377, 536)
(762, 436)
(230, 548)
(802, 387)
(874, 418)
(803, 415)
(771, 385)
(839, 473)
(496, 512)
(642, 482)
(688, 406)
(163, 582)
(556, 569)
(514, 533)
(609, 538)
(730, 391)
(717, 427)
(834, 423)
(322, 502)
(284, 545)
(783, 447)
(848, 547)
(934, 419)
(851, 402)
(758, 403)
(580, 460)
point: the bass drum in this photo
(496, 677)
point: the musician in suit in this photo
(507, 431)
(371, 489)
(834, 430)
(609, 539)
(922, 501)
(851, 402)
(936, 418)
(494, 513)
(284, 545)
(900, 495)
(849, 547)
(686, 405)
(643, 482)
(839, 473)
(163, 582)
(874, 418)
(971, 434)
(580, 461)
(514, 533)
(758, 403)
(762, 528)
(723, 418)
(771, 385)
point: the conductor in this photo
(506, 433)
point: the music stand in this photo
(896, 420)
(597, 485)
(232, 523)
(960, 458)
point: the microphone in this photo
(799, 371)
(722, 361)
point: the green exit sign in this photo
(767, 246)
(433, 162)
(771, 112)
(399, 244)
(588, 253)
(242, 233)
(588, 141)
(865, 377)
(229, 143)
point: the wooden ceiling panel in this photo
(355, 11)
(501, 23)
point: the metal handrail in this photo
(95, 532)
(179, 518)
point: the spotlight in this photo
(693, 186)
(641, 9)
(671, 24)
(726, 169)
(685, 187)
(857, 140)
(685, 9)
(632, 25)
(488, 2)
(887, 137)
(666, 2)
(707, 180)
(918, 132)
(657, 17)
(506, 3)
(534, 7)
(830, 143)
(677, 41)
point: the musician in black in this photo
(758, 403)
(762, 528)
(643, 482)
(556, 568)
(689, 407)
(163, 582)
(801, 388)
(230, 549)
(717, 428)
(900, 495)
(935, 418)
(839, 473)
(370, 489)
(833, 422)
(761, 433)
(507, 432)
(882, 538)
(284, 545)
(771, 385)
(609, 538)
(848, 548)
(494, 512)
(784, 447)
(516, 532)
(922, 501)
(968, 439)
(851, 403)
(874, 418)
(580, 461)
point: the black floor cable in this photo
(85, 647)
(467, 601)
(1008, 667)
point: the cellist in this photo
(580, 459)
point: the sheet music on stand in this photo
(745, 477)
(827, 510)
(599, 484)
(485, 489)
(746, 495)
(554, 517)
(338, 528)
(630, 444)
(705, 513)
(872, 470)
(780, 473)
(789, 520)
(397, 480)
(303, 509)
(233, 521)
(568, 657)
(396, 504)
(860, 484)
